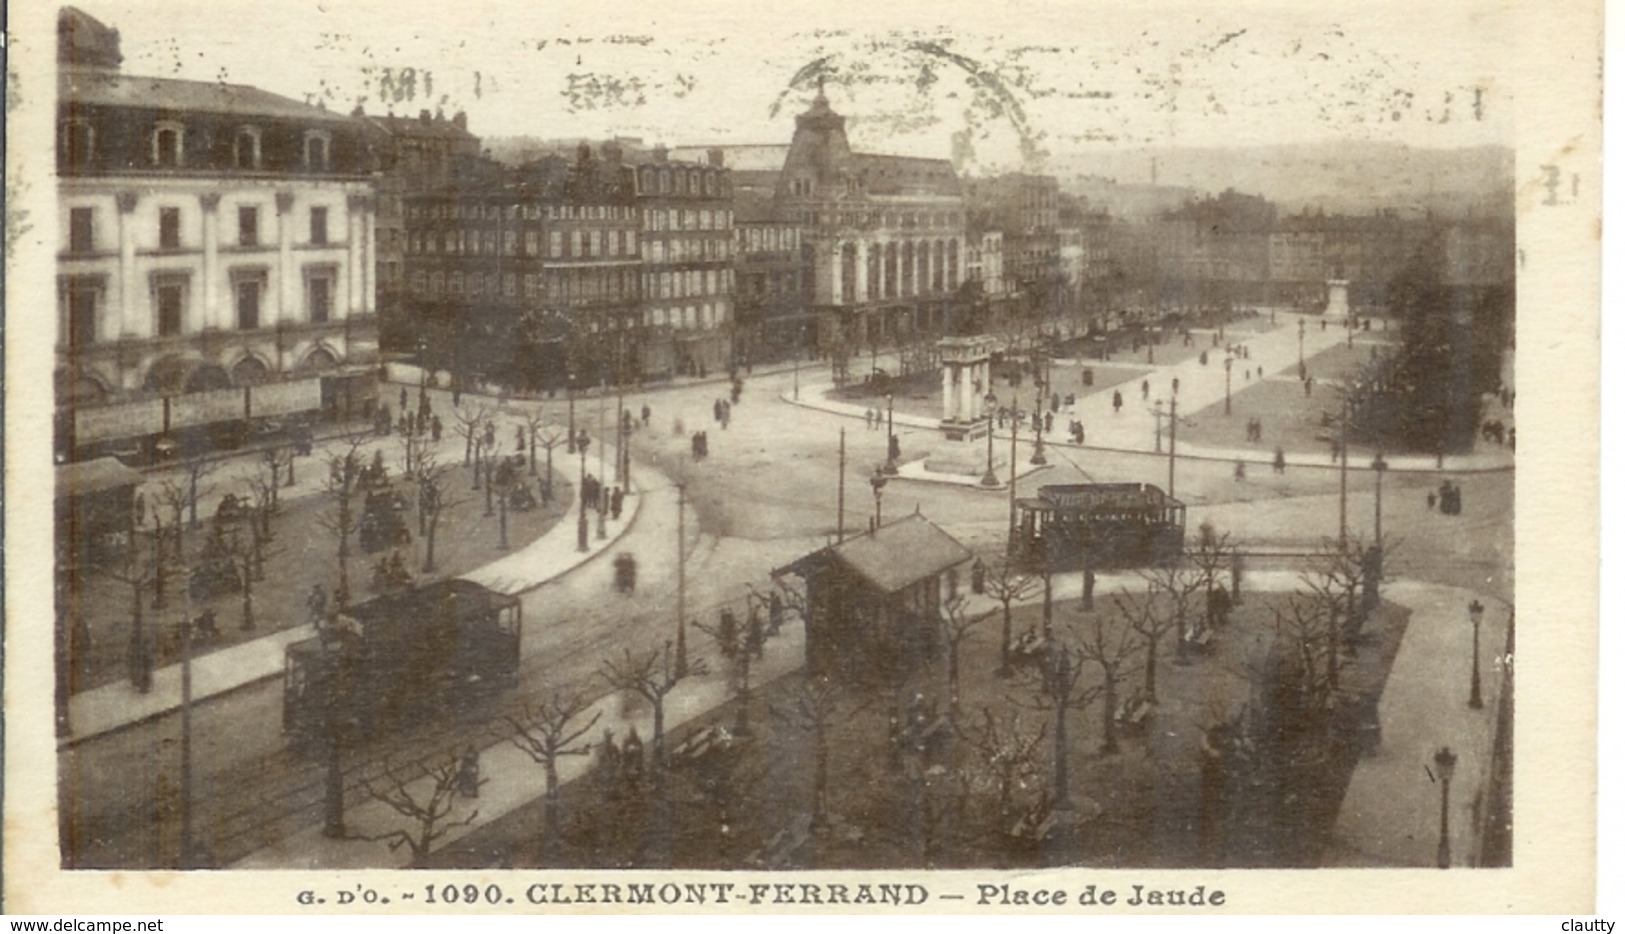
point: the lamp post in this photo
(1302, 326)
(682, 587)
(1445, 762)
(602, 532)
(1173, 425)
(1156, 411)
(1475, 612)
(1380, 466)
(1038, 426)
(991, 401)
(1228, 360)
(581, 492)
(891, 440)
(570, 396)
(878, 481)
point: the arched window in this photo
(318, 145)
(248, 148)
(167, 145)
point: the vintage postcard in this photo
(933, 457)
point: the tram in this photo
(1098, 525)
(401, 657)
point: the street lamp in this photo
(891, 440)
(570, 395)
(1302, 326)
(1444, 761)
(1475, 612)
(878, 481)
(1156, 411)
(991, 401)
(602, 533)
(581, 443)
(1228, 360)
(1380, 466)
(1038, 427)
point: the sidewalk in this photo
(512, 778)
(1135, 429)
(117, 705)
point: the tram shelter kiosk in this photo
(875, 602)
(1098, 525)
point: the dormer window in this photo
(318, 146)
(167, 138)
(78, 144)
(248, 148)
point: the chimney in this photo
(460, 120)
(424, 116)
(713, 157)
(660, 153)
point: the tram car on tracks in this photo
(1067, 527)
(401, 658)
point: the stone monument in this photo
(966, 376)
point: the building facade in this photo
(886, 233)
(215, 257)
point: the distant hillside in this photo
(1351, 177)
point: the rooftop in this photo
(99, 87)
(902, 552)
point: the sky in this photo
(1004, 86)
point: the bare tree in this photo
(426, 811)
(1057, 687)
(1009, 584)
(814, 707)
(956, 628)
(470, 421)
(548, 732)
(271, 463)
(248, 557)
(172, 496)
(196, 469)
(434, 498)
(650, 677)
(550, 438)
(1332, 583)
(738, 645)
(1152, 623)
(1211, 556)
(138, 574)
(1110, 654)
(344, 471)
(536, 426)
(1007, 752)
(1178, 586)
(1302, 626)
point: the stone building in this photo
(215, 257)
(887, 235)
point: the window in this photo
(508, 284)
(532, 242)
(318, 225)
(418, 281)
(248, 291)
(248, 148)
(596, 244)
(575, 243)
(455, 285)
(319, 294)
(317, 144)
(530, 285)
(166, 145)
(84, 298)
(436, 283)
(81, 230)
(509, 241)
(78, 141)
(248, 226)
(555, 243)
(169, 302)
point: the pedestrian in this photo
(1260, 372)
(403, 398)
(646, 413)
(1145, 389)
(519, 437)
(468, 773)
(1117, 401)
(1280, 460)
(1176, 385)
(435, 428)
(1308, 387)
(868, 419)
(1049, 422)
(316, 604)
(456, 397)
(1241, 470)
(616, 500)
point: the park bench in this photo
(701, 743)
(1134, 714)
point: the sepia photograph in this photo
(668, 446)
